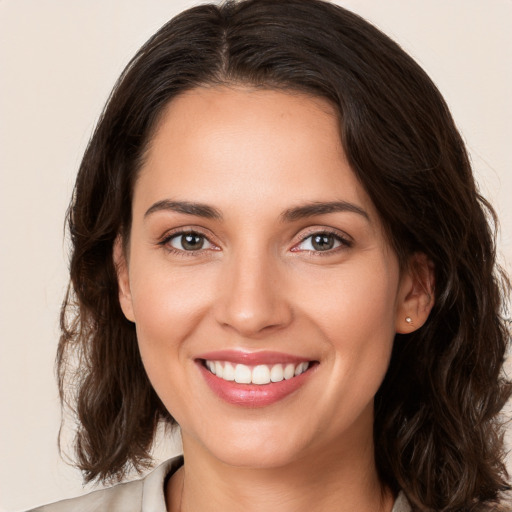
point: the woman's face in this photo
(256, 253)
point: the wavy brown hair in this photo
(438, 434)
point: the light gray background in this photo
(58, 62)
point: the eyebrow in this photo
(289, 215)
(321, 208)
(197, 209)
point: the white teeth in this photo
(276, 373)
(229, 372)
(289, 371)
(242, 374)
(260, 374)
(301, 368)
(211, 366)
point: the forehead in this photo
(215, 143)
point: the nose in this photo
(252, 299)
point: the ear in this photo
(123, 279)
(416, 294)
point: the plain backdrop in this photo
(58, 62)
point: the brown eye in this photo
(322, 242)
(189, 242)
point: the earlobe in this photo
(123, 279)
(416, 294)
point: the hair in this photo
(438, 432)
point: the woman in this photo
(279, 246)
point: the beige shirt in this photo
(144, 495)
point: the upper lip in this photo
(252, 358)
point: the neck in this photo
(335, 481)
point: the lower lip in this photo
(253, 395)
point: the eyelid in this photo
(186, 230)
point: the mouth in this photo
(254, 379)
(259, 375)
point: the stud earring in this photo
(408, 319)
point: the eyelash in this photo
(344, 242)
(165, 242)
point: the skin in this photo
(259, 284)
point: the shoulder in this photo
(125, 497)
(145, 494)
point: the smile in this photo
(254, 379)
(261, 374)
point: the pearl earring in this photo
(408, 319)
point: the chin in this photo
(256, 447)
(247, 456)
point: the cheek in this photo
(166, 298)
(168, 306)
(355, 316)
(355, 299)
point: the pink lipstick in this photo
(254, 379)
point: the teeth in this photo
(218, 369)
(242, 374)
(229, 372)
(289, 371)
(276, 373)
(260, 374)
(301, 368)
(211, 366)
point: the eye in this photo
(190, 241)
(321, 242)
